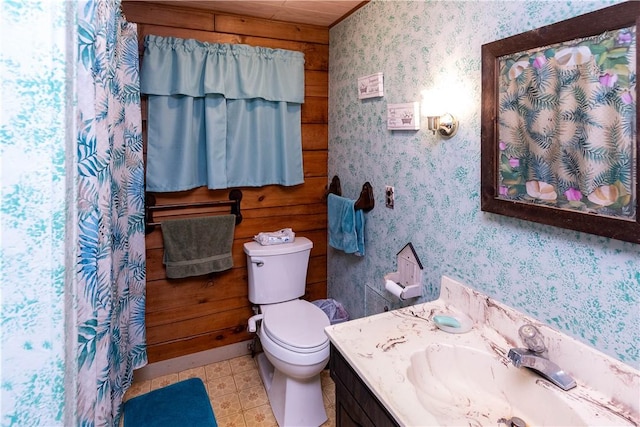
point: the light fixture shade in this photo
(433, 122)
(430, 105)
(444, 124)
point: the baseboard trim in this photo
(182, 363)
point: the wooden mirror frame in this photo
(594, 23)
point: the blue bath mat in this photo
(181, 404)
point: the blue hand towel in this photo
(346, 225)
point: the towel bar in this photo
(235, 196)
(366, 201)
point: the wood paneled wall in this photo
(189, 315)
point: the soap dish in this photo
(453, 323)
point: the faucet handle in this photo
(512, 422)
(532, 338)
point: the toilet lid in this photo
(297, 325)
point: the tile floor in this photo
(236, 392)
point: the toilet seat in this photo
(296, 325)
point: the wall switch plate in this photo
(389, 195)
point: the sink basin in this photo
(460, 385)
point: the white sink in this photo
(461, 385)
(424, 376)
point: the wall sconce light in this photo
(444, 124)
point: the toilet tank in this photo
(277, 273)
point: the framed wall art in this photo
(371, 86)
(559, 124)
(403, 116)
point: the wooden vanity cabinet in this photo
(356, 405)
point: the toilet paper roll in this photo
(394, 288)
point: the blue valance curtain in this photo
(221, 115)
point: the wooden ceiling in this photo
(313, 12)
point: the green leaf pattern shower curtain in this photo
(110, 271)
(567, 125)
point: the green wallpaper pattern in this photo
(584, 285)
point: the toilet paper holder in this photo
(401, 291)
(407, 281)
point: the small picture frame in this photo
(371, 86)
(403, 116)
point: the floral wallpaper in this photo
(32, 213)
(583, 285)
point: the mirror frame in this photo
(610, 18)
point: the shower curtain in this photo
(110, 270)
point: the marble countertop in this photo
(379, 348)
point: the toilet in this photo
(291, 331)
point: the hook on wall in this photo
(366, 201)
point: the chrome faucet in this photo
(534, 357)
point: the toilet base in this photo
(294, 402)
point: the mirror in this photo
(559, 124)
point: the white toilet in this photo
(291, 331)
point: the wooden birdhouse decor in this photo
(409, 266)
(407, 281)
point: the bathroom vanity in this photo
(356, 405)
(399, 368)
